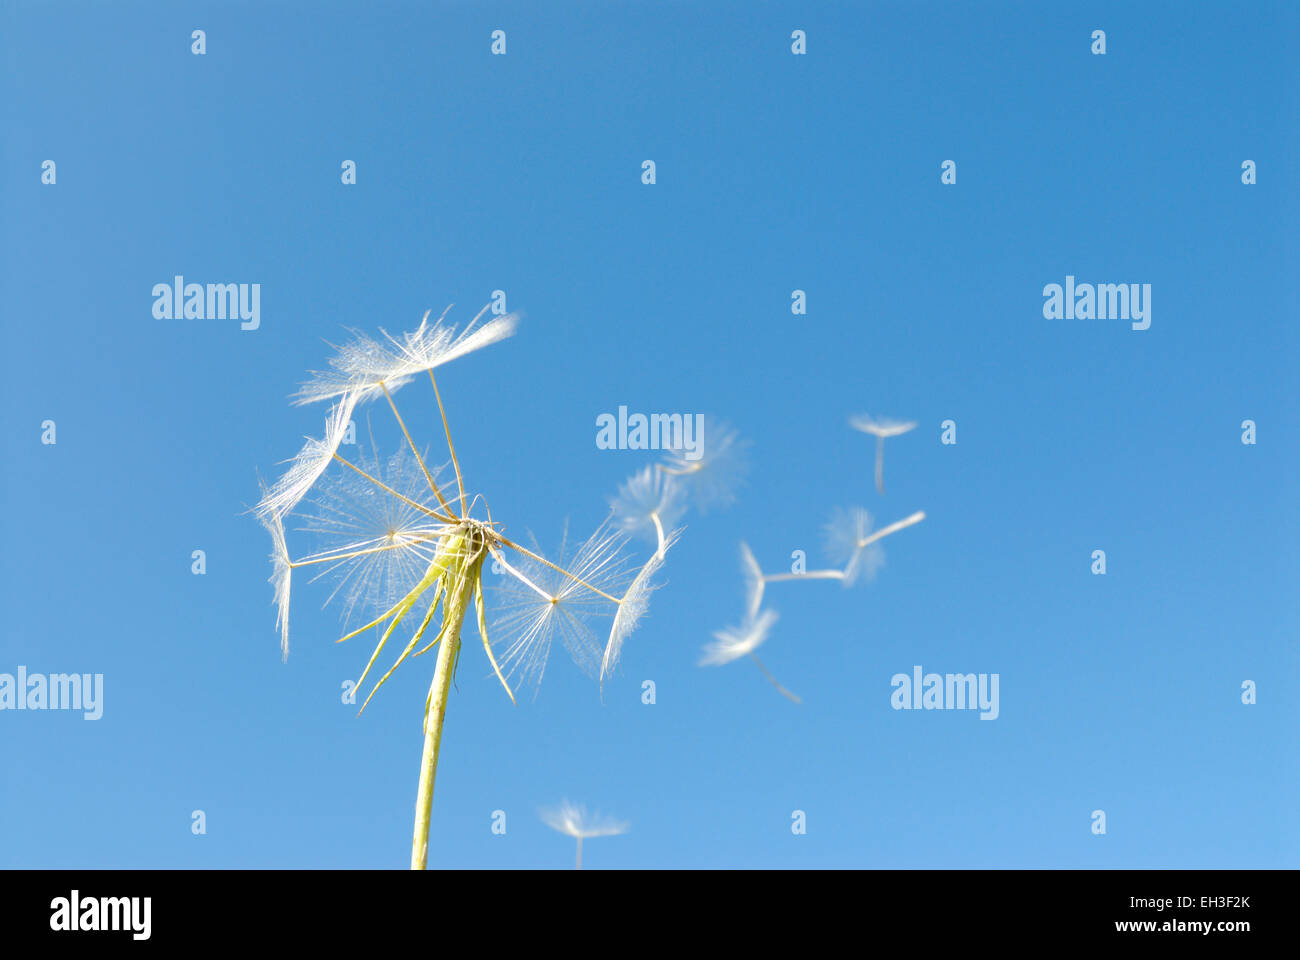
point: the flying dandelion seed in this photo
(849, 540)
(736, 642)
(405, 551)
(845, 538)
(754, 582)
(721, 468)
(633, 606)
(574, 822)
(649, 503)
(733, 643)
(881, 429)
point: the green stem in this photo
(432, 738)
(461, 566)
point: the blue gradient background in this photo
(775, 172)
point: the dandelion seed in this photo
(713, 478)
(306, 468)
(425, 353)
(754, 582)
(538, 604)
(364, 364)
(633, 605)
(845, 534)
(733, 643)
(850, 539)
(347, 513)
(281, 571)
(574, 822)
(647, 504)
(881, 429)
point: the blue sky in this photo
(775, 172)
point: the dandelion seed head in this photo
(634, 604)
(553, 605)
(648, 495)
(880, 426)
(732, 643)
(363, 364)
(573, 820)
(347, 513)
(713, 478)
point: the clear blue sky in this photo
(775, 173)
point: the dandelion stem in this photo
(892, 528)
(435, 710)
(784, 692)
(810, 575)
(579, 866)
(460, 485)
(659, 529)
